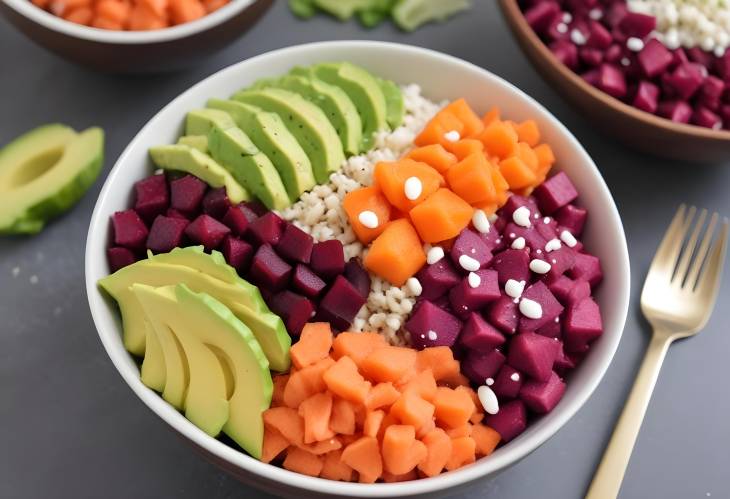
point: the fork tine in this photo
(666, 255)
(694, 271)
(709, 282)
(689, 250)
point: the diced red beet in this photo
(295, 245)
(510, 421)
(710, 93)
(565, 52)
(216, 203)
(583, 324)
(598, 37)
(479, 335)
(555, 30)
(470, 244)
(166, 234)
(257, 207)
(119, 257)
(307, 282)
(552, 329)
(686, 79)
(555, 192)
(238, 219)
(358, 276)
(533, 354)
(541, 14)
(561, 261)
(696, 54)
(654, 58)
(612, 80)
(563, 363)
(186, 194)
(268, 270)
(647, 97)
(551, 308)
(706, 118)
(588, 268)
(532, 236)
(613, 53)
(503, 315)
(507, 382)
(637, 24)
(465, 299)
(151, 197)
(512, 264)
(492, 239)
(173, 213)
(592, 77)
(478, 366)
(572, 218)
(129, 230)
(328, 259)
(542, 397)
(568, 291)
(516, 201)
(676, 110)
(615, 14)
(437, 279)
(591, 57)
(342, 301)
(547, 227)
(207, 231)
(266, 229)
(432, 326)
(295, 310)
(238, 253)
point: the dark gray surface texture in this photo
(70, 427)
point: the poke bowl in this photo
(375, 308)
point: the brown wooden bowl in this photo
(636, 128)
(135, 51)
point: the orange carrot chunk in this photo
(359, 205)
(413, 410)
(389, 363)
(274, 444)
(499, 139)
(287, 422)
(343, 379)
(316, 412)
(442, 216)
(471, 179)
(314, 344)
(463, 451)
(357, 346)
(382, 395)
(452, 408)
(334, 468)
(303, 462)
(372, 423)
(486, 439)
(439, 360)
(397, 253)
(306, 382)
(183, 11)
(342, 420)
(393, 180)
(401, 451)
(528, 132)
(363, 456)
(438, 445)
(435, 156)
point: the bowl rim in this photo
(524, 32)
(274, 474)
(28, 10)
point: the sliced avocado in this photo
(335, 103)
(410, 14)
(213, 264)
(199, 142)
(341, 9)
(44, 172)
(375, 12)
(363, 90)
(200, 121)
(184, 158)
(206, 402)
(302, 8)
(153, 372)
(306, 122)
(394, 101)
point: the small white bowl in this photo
(441, 77)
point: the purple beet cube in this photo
(612, 80)
(508, 382)
(563, 363)
(307, 282)
(647, 97)
(552, 329)
(533, 354)
(466, 298)
(541, 14)
(675, 110)
(561, 261)
(186, 194)
(654, 58)
(572, 218)
(588, 268)
(503, 315)
(583, 324)
(510, 421)
(358, 276)
(129, 230)
(207, 231)
(532, 236)
(257, 207)
(711, 92)
(492, 239)
(706, 118)
(119, 257)
(478, 366)
(565, 52)
(478, 334)
(266, 229)
(295, 310)
(542, 397)
(686, 79)
(151, 197)
(555, 192)
(637, 24)
(470, 244)
(238, 219)
(328, 259)
(166, 234)
(238, 253)
(268, 270)
(342, 300)
(599, 37)
(173, 213)
(561, 287)
(547, 227)
(432, 326)
(551, 308)
(295, 245)
(512, 264)
(216, 203)
(516, 201)
(437, 279)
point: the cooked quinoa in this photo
(320, 214)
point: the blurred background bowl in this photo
(135, 51)
(637, 129)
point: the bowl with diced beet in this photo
(299, 277)
(609, 62)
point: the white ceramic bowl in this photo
(441, 77)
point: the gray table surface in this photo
(70, 427)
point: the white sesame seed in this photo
(474, 280)
(369, 219)
(452, 136)
(568, 238)
(521, 216)
(488, 399)
(414, 286)
(480, 221)
(413, 188)
(530, 309)
(468, 263)
(540, 266)
(434, 255)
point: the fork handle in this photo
(607, 480)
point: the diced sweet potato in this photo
(363, 456)
(391, 178)
(316, 412)
(357, 346)
(397, 253)
(438, 445)
(452, 408)
(373, 420)
(401, 451)
(306, 382)
(499, 139)
(485, 438)
(388, 363)
(463, 451)
(287, 422)
(274, 444)
(434, 155)
(382, 395)
(334, 468)
(342, 420)
(413, 410)
(422, 384)
(440, 360)
(344, 380)
(441, 217)
(303, 462)
(471, 179)
(314, 344)
(367, 199)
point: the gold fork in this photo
(678, 297)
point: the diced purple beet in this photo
(465, 299)
(592, 77)
(615, 14)
(470, 244)
(129, 230)
(561, 261)
(328, 259)
(294, 309)
(492, 239)
(512, 264)
(507, 382)
(151, 197)
(432, 326)
(533, 354)
(166, 234)
(516, 201)
(551, 308)
(710, 93)
(533, 237)
(510, 421)
(358, 276)
(706, 118)
(238, 253)
(654, 58)
(565, 52)
(186, 194)
(561, 287)
(268, 270)
(306, 282)
(207, 231)
(295, 245)
(555, 192)
(547, 227)
(563, 363)
(437, 279)
(614, 53)
(612, 80)
(238, 219)
(257, 207)
(583, 324)
(119, 257)
(541, 14)
(686, 79)
(599, 38)
(675, 110)
(216, 203)
(503, 315)
(637, 24)
(588, 268)
(552, 329)
(173, 213)
(342, 300)
(647, 97)
(542, 397)
(572, 218)
(478, 366)
(479, 335)
(266, 229)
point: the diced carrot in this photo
(528, 155)
(391, 178)
(463, 451)
(382, 395)
(474, 398)
(452, 408)
(274, 444)
(357, 346)
(114, 10)
(80, 15)
(405, 477)
(303, 462)
(280, 381)
(388, 420)
(454, 381)
(466, 147)
(469, 119)
(413, 410)
(488, 208)
(422, 384)
(397, 253)
(491, 116)
(435, 130)
(61, 7)
(306, 382)
(342, 420)
(363, 456)
(401, 451)
(287, 422)
(476, 418)
(471, 179)
(104, 23)
(373, 420)
(348, 439)
(460, 431)
(442, 216)
(144, 18)
(388, 363)
(322, 447)
(316, 412)
(517, 174)
(183, 11)
(485, 438)
(360, 415)
(500, 185)
(40, 3)
(499, 139)
(334, 468)
(213, 5)
(545, 160)
(367, 199)
(434, 155)
(438, 444)
(440, 360)
(528, 132)
(343, 379)
(314, 344)
(429, 425)
(157, 7)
